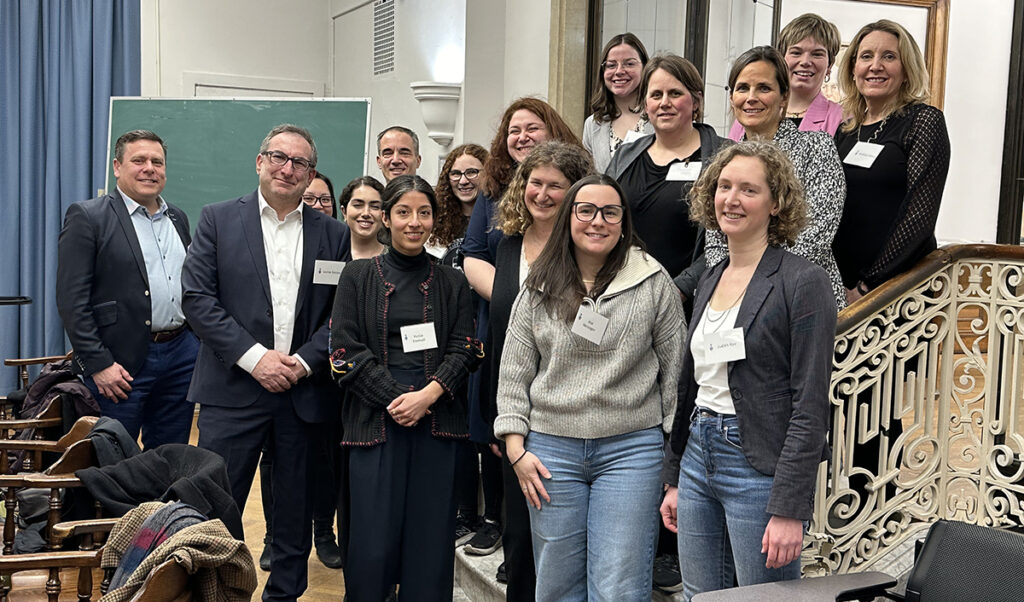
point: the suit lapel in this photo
(117, 205)
(179, 225)
(249, 215)
(757, 291)
(311, 232)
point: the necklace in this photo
(585, 281)
(718, 322)
(874, 136)
(797, 114)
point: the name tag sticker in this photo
(590, 325)
(863, 154)
(724, 346)
(684, 172)
(327, 272)
(418, 337)
(632, 135)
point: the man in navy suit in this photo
(259, 284)
(119, 259)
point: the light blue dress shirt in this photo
(164, 254)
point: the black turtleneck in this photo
(405, 305)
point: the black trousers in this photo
(475, 463)
(402, 523)
(517, 539)
(238, 435)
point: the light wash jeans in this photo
(595, 540)
(718, 488)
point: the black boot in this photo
(327, 549)
(265, 555)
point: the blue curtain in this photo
(60, 62)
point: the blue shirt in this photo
(164, 254)
(482, 238)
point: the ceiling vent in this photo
(383, 37)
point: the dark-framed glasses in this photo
(300, 165)
(324, 200)
(626, 64)
(586, 212)
(471, 174)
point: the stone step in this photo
(475, 577)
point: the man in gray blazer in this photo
(119, 259)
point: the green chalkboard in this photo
(212, 143)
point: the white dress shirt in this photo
(282, 245)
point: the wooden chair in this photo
(35, 448)
(60, 475)
(168, 582)
(22, 364)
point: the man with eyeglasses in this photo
(398, 152)
(259, 285)
(119, 259)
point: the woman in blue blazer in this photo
(753, 395)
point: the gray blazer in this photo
(595, 139)
(780, 390)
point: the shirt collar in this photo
(265, 208)
(132, 206)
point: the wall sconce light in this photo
(439, 103)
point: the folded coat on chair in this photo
(174, 471)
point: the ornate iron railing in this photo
(928, 380)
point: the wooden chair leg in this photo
(53, 585)
(9, 501)
(52, 518)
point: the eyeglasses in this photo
(313, 200)
(626, 64)
(586, 212)
(471, 174)
(300, 165)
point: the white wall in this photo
(527, 48)
(270, 45)
(977, 72)
(429, 45)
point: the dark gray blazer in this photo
(780, 390)
(103, 285)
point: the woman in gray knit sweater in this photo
(587, 384)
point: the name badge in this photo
(632, 135)
(590, 325)
(327, 272)
(683, 171)
(418, 337)
(863, 154)
(724, 346)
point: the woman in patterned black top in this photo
(896, 177)
(759, 86)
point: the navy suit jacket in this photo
(788, 317)
(227, 302)
(102, 284)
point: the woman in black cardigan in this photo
(401, 349)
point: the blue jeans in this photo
(156, 404)
(721, 512)
(595, 540)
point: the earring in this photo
(828, 76)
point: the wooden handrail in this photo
(936, 260)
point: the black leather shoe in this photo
(328, 552)
(265, 557)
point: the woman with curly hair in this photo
(752, 408)
(458, 186)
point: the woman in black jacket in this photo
(401, 348)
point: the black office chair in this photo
(958, 562)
